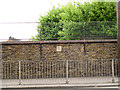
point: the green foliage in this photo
(74, 21)
(71, 31)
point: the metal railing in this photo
(60, 69)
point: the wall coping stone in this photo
(57, 42)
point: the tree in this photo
(73, 21)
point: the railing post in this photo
(113, 76)
(67, 81)
(19, 72)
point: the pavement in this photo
(66, 88)
(60, 83)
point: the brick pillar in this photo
(118, 31)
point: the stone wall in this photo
(39, 53)
(70, 50)
(20, 52)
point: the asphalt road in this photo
(70, 88)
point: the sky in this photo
(24, 11)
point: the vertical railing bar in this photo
(36, 70)
(42, 69)
(60, 68)
(27, 64)
(90, 68)
(114, 67)
(31, 70)
(6, 70)
(44, 66)
(113, 77)
(109, 69)
(63, 68)
(34, 76)
(70, 69)
(78, 69)
(23, 70)
(81, 67)
(99, 68)
(28, 70)
(107, 74)
(103, 68)
(53, 66)
(19, 72)
(67, 72)
(93, 65)
(116, 64)
(74, 69)
(10, 71)
(50, 69)
(94, 69)
(40, 63)
(47, 69)
(56, 68)
(86, 68)
(106, 67)
(39, 70)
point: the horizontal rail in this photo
(56, 60)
